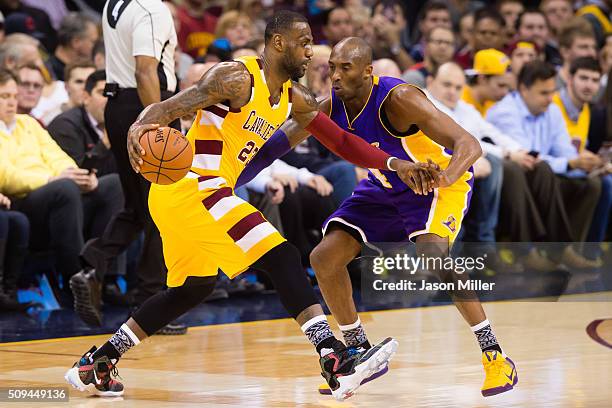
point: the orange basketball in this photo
(168, 155)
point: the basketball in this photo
(168, 155)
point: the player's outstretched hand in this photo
(135, 150)
(418, 176)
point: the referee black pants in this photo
(134, 218)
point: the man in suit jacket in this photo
(80, 131)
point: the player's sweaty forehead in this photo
(301, 31)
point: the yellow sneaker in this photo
(500, 373)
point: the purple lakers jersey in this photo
(372, 125)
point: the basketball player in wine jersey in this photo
(240, 106)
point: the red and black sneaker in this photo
(346, 370)
(95, 377)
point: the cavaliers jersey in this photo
(372, 125)
(225, 139)
(578, 130)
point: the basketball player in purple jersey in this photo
(399, 119)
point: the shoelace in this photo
(115, 372)
(495, 367)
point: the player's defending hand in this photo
(420, 177)
(135, 150)
(440, 177)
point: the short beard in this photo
(294, 72)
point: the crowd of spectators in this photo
(529, 79)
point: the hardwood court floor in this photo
(269, 363)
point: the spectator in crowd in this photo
(236, 27)
(433, 14)
(80, 131)
(466, 32)
(76, 37)
(488, 81)
(64, 95)
(557, 13)
(529, 117)
(510, 10)
(98, 55)
(31, 84)
(386, 67)
(255, 10)
(439, 49)
(532, 25)
(317, 73)
(573, 102)
(41, 20)
(14, 236)
(444, 88)
(61, 200)
(388, 24)
(597, 12)
(18, 50)
(520, 52)
(488, 30)
(337, 25)
(304, 204)
(576, 39)
(197, 27)
(76, 75)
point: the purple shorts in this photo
(379, 214)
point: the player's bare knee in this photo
(318, 258)
(327, 261)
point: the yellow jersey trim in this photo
(350, 122)
(383, 103)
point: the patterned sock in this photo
(485, 336)
(354, 335)
(320, 335)
(123, 340)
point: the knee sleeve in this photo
(284, 267)
(167, 305)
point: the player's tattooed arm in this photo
(226, 81)
(408, 105)
(295, 132)
(304, 105)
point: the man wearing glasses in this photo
(31, 83)
(439, 49)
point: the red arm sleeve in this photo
(347, 145)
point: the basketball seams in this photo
(162, 155)
(181, 151)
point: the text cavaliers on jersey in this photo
(258, 125)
